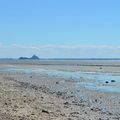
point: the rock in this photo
(85, 112)
(92, 109)
(106, 82)
(95, 100)
(59, 93)
(57, 82)
(66, 103)
(112, 80)
(45, 111)
(6, 104)
(62, 114)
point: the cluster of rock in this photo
(111, 81)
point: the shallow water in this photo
(91, 80)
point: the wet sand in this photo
(70, 65)
(48, 100)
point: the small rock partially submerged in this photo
(112, 80)
(106, 81)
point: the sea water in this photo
(91, 80)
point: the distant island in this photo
(34, 57)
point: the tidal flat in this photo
(60, 89)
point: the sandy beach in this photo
(29, 96)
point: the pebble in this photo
(57, 82)
(45, 111)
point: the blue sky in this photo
(60, 28)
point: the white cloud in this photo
(64, 46)
(23, 46)
(16, 50)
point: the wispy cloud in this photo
(16, 50)
(38, 47)
(23, 46)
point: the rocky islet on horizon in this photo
(34, 57)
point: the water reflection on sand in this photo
(76, 79)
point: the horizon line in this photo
(63, 59)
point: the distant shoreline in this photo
(63, 59)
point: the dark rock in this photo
(85, 112)
(112, 80)
(95, 100)
(59, 93)
(45, 111)
(92, 109)
(66, 103)
(57, 82)
(24, 96)
(5, 103)
(62, 114)
(106, 82)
